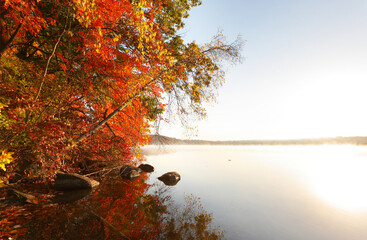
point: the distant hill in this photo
(164, 140)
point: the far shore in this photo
(164, 140)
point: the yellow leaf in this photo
(5, 158)
(2, 105)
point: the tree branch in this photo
(48, 63)
(105, 120)
(7, 43)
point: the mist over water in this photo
(273, 192)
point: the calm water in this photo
(273, 192)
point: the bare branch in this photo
(48, 63)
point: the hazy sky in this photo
(304, 72)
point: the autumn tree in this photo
(82, 81)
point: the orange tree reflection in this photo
(117, 209)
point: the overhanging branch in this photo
(106, 119)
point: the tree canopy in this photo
(82, 80)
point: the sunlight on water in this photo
(339, 178)
(274, 192)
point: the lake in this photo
(250, 192)
(273, 192)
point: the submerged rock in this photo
(73, 181)
(146, 167)
(170, 178)
(129, 172)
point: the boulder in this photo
(170, 178)
(73, 181)
(146, 168)
(129, 172)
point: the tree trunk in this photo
(105, 120)
(4, 44)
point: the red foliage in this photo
(82, 80)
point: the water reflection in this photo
(71, 196)
(191, 221)
(118, 209)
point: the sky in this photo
(303, 75)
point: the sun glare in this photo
(340, 180)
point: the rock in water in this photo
(73, 181)
(146, 168)
(170, 178)
(129, 172)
